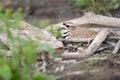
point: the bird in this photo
(73, 31)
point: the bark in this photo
(98, 41)
(111, 37)
(27, 31)
(76, 40)
(117, 48)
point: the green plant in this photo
(9, 13)
(97, 6)
(91, 63)
(57, 33)
(24, 53)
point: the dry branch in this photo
(117, 47)
(91, 18)
(27, 31)
(104, 48)
(72, 55)
(114, 37)
(74, 73)
(76, 40)
(97, 41)
(87, 39)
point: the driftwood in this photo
(97, 41)
(103, 48)
(27, 31)
(117, 47)
(91, 18)
(93, 58)
(111, 37)
(114, 37)
(76, 40)
(91, 49)
(43, 36)
(75, 73)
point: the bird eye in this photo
(67, 25)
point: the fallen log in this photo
(76, 40)
(91, 18)
(24, 30)
(111, 37)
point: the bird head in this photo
(69, 25)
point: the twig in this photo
(43, 66)
(85, 60)
(94, 58)
(76, 40)
(104, 48)
(117, 47)
(77, 73)
(70, 74)
(114, 37)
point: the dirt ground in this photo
(53, 10)
(57, 11)
(103, 69)
(60, 10)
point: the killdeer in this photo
(72, 31)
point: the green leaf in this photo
(41, 76)
(14, 23)
(116, 6)
(5, 71)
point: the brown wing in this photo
(82, 33)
